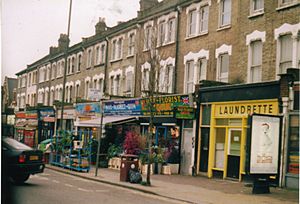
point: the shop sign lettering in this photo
(31, 114)
(164, 105)
(184, 112)
(270, 108)
(122, 107)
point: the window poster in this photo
(264, 144)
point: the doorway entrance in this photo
(234, 150)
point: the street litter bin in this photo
(128, 161)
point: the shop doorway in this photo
(161, 136)
(186, 152)
(234, 149)
(204, 149)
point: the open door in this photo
(234, 150)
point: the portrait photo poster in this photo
(264, 144)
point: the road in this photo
(54, 187)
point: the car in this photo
(20, 161)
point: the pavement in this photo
(189, 189)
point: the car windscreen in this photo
(14, 144)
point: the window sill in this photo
(198, 35)
(282, 7)
(115, 60)
(59, 77)
(256, 14)
(224, 27)
(129, 56)
(146, 49)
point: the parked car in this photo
(20, 160)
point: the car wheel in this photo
(20, 179)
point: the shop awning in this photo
(106, 120)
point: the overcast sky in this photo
(30, 27)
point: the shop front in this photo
(47, 121)
(31, 136)
(20, 124)
(69, 117)
(173, 128)
(224, 126)
(228, 135)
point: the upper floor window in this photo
(120, 46)
(131, 44)
(89, 58)
(117, 48)
(223, 67)
(48, 72)
(168, 79)
(129, 81)
(147, 41)
(202, 65)
(79, 63)
(87, 87)
(53, 73)
(203, 19)
(69, 66)
(192, 21)
(255, 61)
(286, 53)
(73, 65)
(77, 90)
(117, 85)
(161, 33)
(171, 30)
(256, 6)
(97, 54)
(189, 77)
(111, 85)
(284, 3)
(145, 79)
(102, 58)
(34, 77)
(225, 13)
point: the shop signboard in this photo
(10, 119)
(33, 114)
(47, 115)
(265, 135)
(165, 105)
(94, 94)
(29, 138)
(21, 114)
(20, 122)
(68, 114)
(87, 109)
(185, 112)
(239, 109)
(130, 107)
(32, 122)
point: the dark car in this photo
(20, 160)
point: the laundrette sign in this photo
(238, 109)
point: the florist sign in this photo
(164, 105)
(122, 107)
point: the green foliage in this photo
(114, 151)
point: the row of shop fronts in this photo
(213, 130)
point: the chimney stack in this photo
(100, 26)
(146, 4)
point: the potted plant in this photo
(113, 153)
(172, 159)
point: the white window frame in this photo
(192, 32)
(79, 62)
(201, 69)
(131, 43)
(203, 19)
(223, 13)
(145, 71)
(148, 35)
(103, 53)
(252, 37)
(282, 4)
(287, 29)
(161, 36)
(220, 52)
(87, 84)
(189, 82)
(171, 29)
(89, 58)
(256, 11)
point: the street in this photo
(54, 187)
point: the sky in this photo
(30, 27)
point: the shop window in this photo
(219, 148)
(235, 122)
(293, 150)
(206, 111)
(222, 122)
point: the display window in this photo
(293, 145)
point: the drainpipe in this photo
(105, 66)
(284, 141)
(177, 46)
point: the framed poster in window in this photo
(265, 144)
